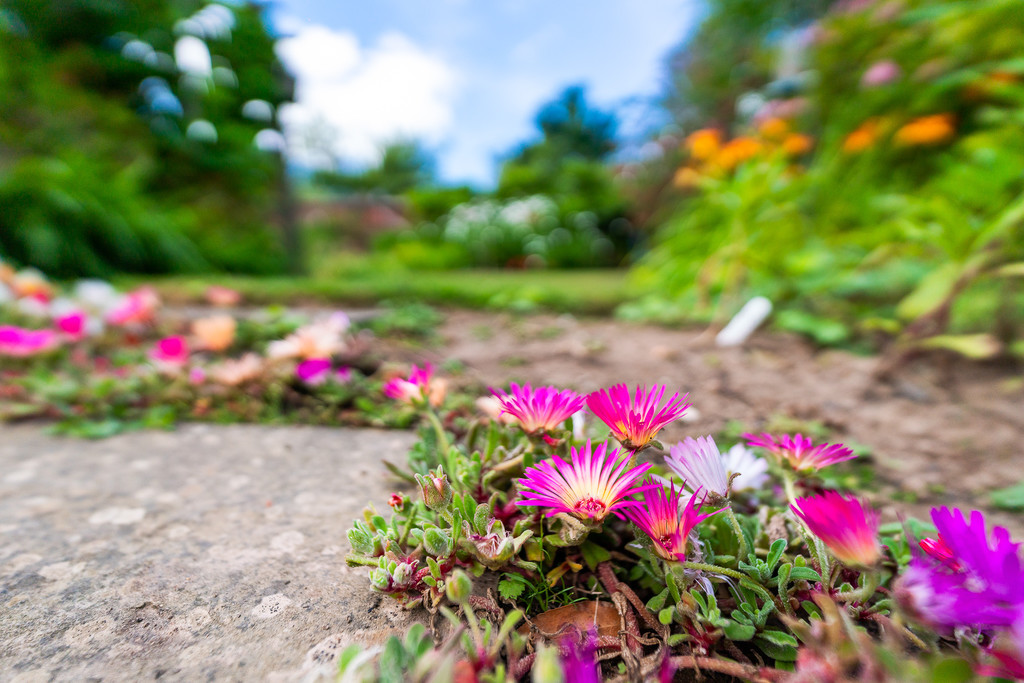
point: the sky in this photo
(464, 76)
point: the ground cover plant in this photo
(98, 361)
(544, 543)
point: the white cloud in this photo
(354, 98)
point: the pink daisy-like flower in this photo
(800, 452)
(22, 343)
(597, 482)
(420, 387)
(73, 325)
(847, 526)
(170, 352)
(635, 419)
(937, 549)
(314, 371)
(700, 465)
(543, 409)
(667, 520)
(135, 308)
(972, 581)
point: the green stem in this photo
(408, 526)
(442, 438)
(744, 580)
(735, 523)
(864, 593)
(788, 483)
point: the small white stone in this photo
(118, 516)
(271, 606)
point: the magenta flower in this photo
(73, 325)
(847, 526)
(170, 352)
(314, 371)
(980, 584)
(597, 482)
(579, 659)
(22, 343)
(667, 520)
(420, 387)
(937, 549)
(800, 452)
(543, 409)
(635, 420)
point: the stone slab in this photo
(208, 553)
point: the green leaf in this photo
(783, 653)
(974, 346)
(677, 639)
(1010, 498)
(930, 293)
(593, 554)
(952, 671)
(804, 574)
(735, 631)
(665, 615)
(775, 552)
(780, 638)
(510, 590)
(658, 601)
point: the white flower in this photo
(752, 470)
(699, 464)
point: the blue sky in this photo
(465, 76)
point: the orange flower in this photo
(774, 128)
(737, 151)
(686, 177)
(862, 138)
(927, 130)
(797, 144)
(704, 143)
(215, 333)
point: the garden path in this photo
(207, 553)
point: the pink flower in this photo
(846, 525)
(668, 521)
(881, 73)
(419, 388)
(800, 452)
(170, 352)
(234, 372)
(320, 339)
(136, 308)
(937, 549)
(222, 296)
(73, 325)
(596, 483)
(635, 420)
(22, 343)
(314, 371)
(543, 409)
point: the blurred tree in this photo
(404, 165)
(116, 155)
(569, 163)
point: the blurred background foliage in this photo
(859, 162)
(116, 157)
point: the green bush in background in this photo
(111, 160)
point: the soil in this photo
(941, 431)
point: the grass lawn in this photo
(578, 291)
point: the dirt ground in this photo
(941, 433)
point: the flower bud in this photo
(458, 587)
(437, 492)
(437, 542)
